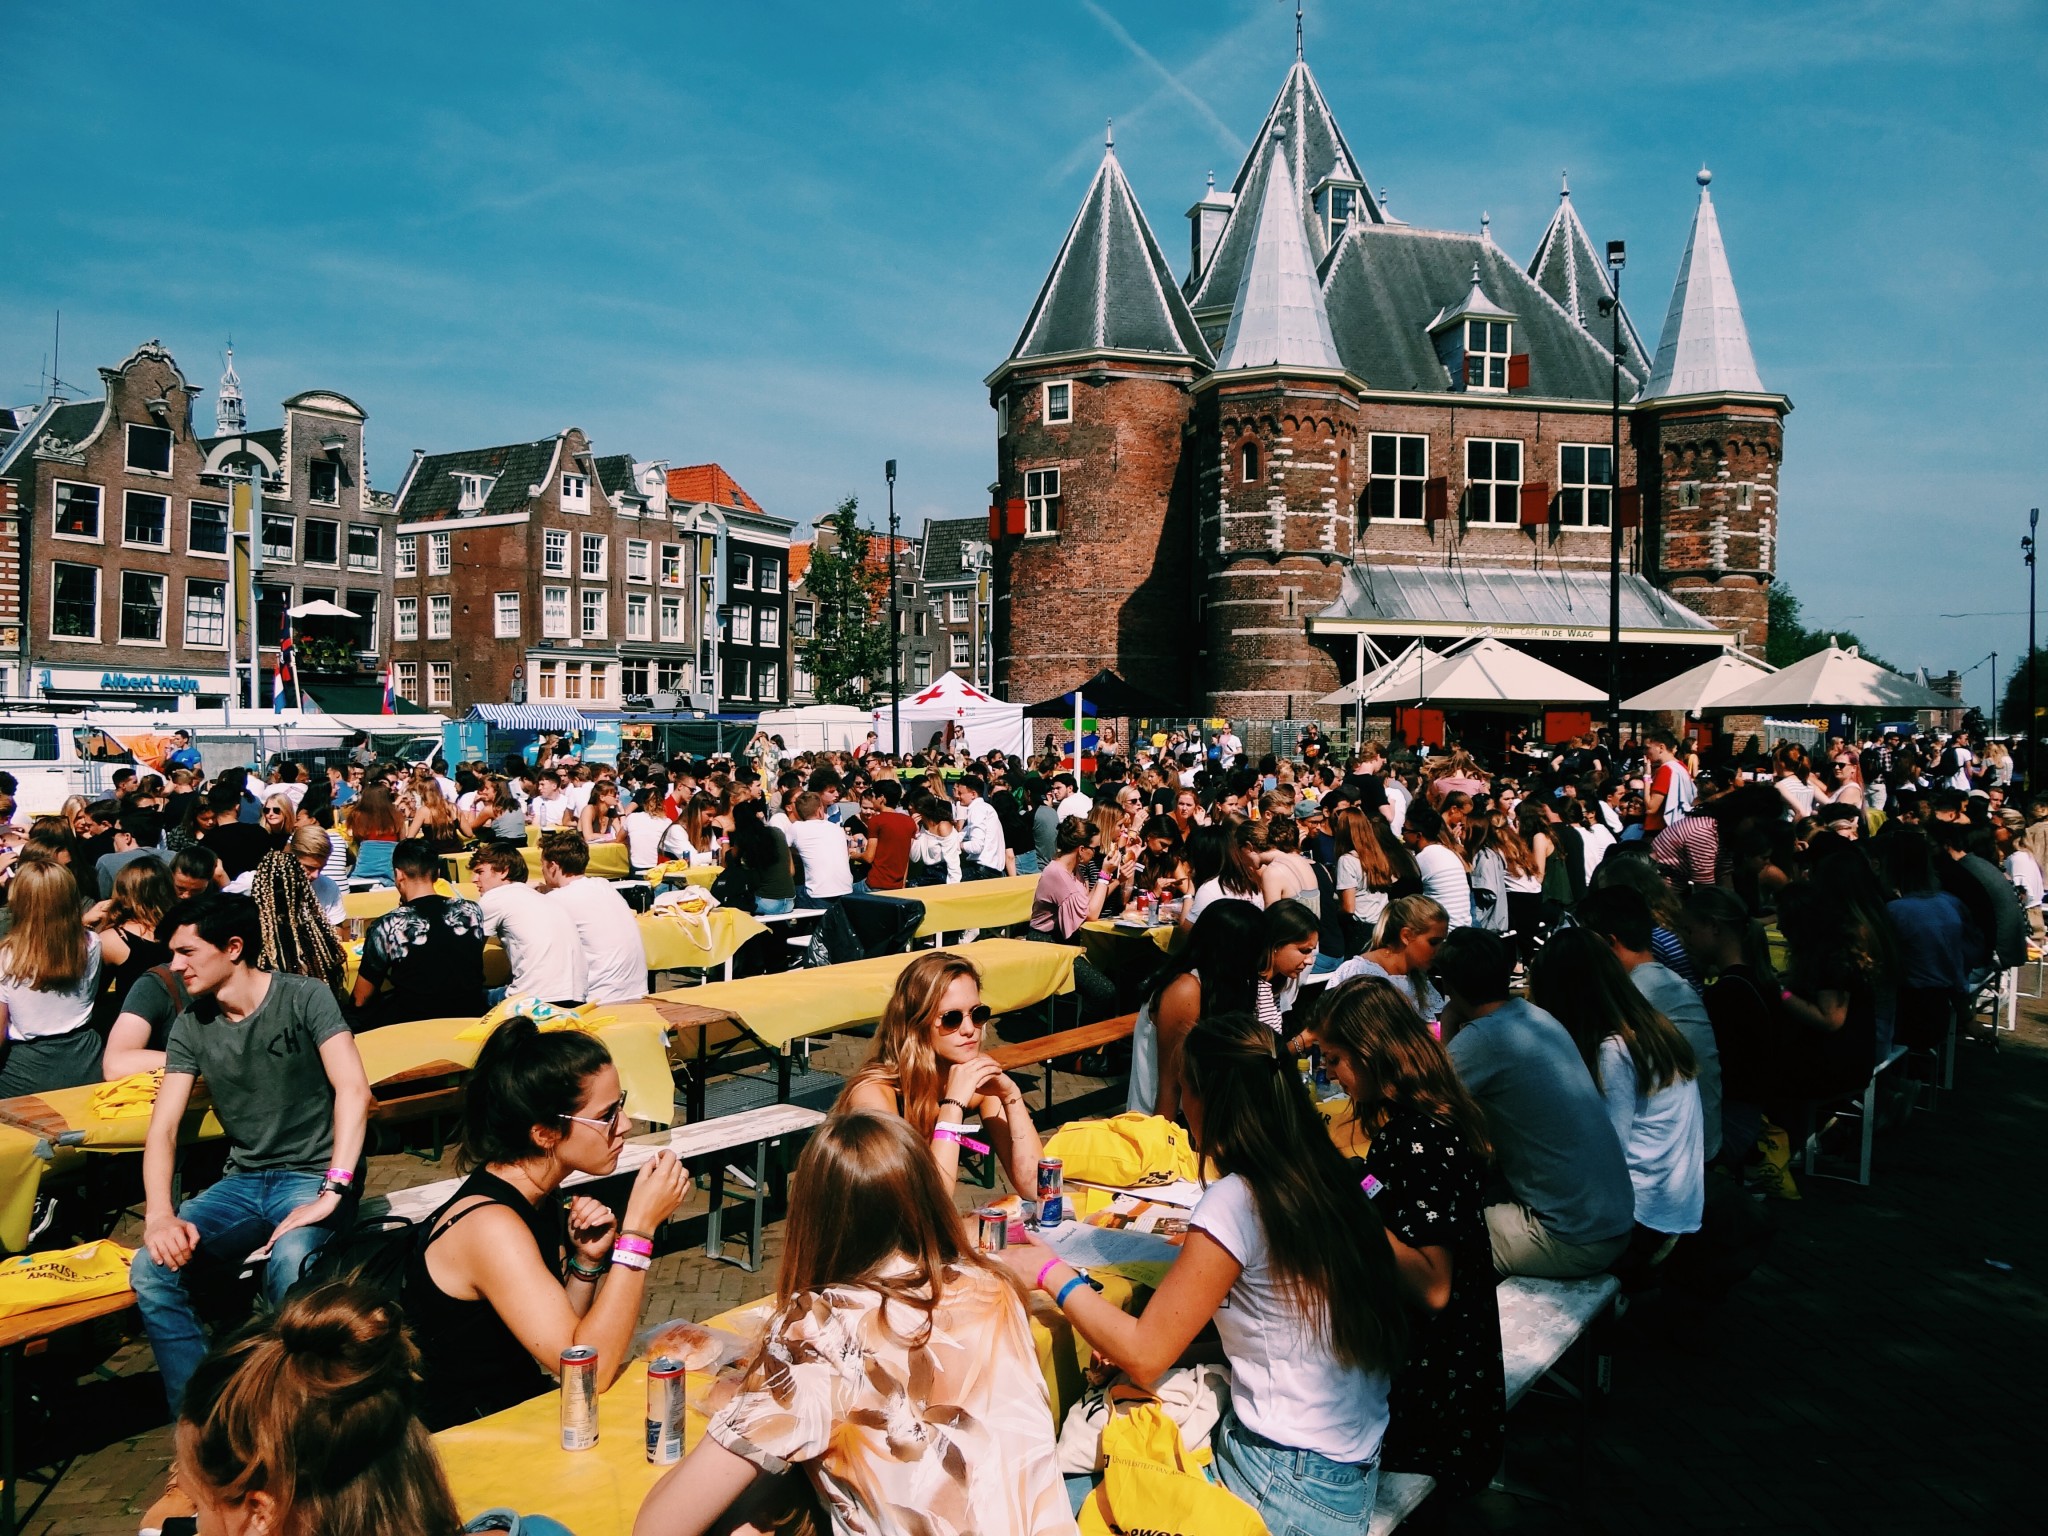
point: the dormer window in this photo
(1488, 345)
(576, 493)
(476, 490)
(1059, 403)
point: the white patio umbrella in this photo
(1700, 687)
(1833, 679)
(320, 608)
(1479, 674)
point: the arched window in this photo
(1248, 463)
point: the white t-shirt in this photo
(1076, 804)
(613, 955)
(1398, 800)
(827, 869)
(1662, 1137)
(643, 838)
(1284, 1384)
(1964, 757)
(1594, 841)
(1445, 878)
(549, 813)
(2022, 870)
(1212, 891)
(37, 1015)
(576, 796)
(547, 961)
(1366, 903)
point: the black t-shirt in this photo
(239, 845)
(431, 950)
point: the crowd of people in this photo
(1582, 1001)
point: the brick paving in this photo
(1879, 1372)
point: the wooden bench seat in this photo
(1067, 1042)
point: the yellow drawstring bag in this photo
(1153, 1484)
(128, 1098)
(85, 1273)
(546, 1017)
(1126, 1151)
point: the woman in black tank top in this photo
(505, 1277)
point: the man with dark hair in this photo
(136, 835)
(239, 844)
(430, 949)
(124, 785)
(984, 852)
(94, 830)
(614, 958)
(195, 870)
(545, 954)
(288, 1087)
(1670, 793)
(1573, 1205)
(890, 830)
(1980, 885)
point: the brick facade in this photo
(1714, 496)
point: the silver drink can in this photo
(579, 1397)
(1052, 1183)
(992, 1229)
(665, 1412)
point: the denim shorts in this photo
(1297, 1493)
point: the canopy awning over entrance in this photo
(1430, 602)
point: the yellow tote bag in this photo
(1127, 1151)
(85, 1273)
(1153, 1485)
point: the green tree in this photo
(848, 652)
(2012, 709)
(1790, 640)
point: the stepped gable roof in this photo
(1110, 290)
(1315, 149)
(1278, 317)
(709, 483)
(1704, 349)
(1572, 271)
(433, 490)
(1386, 281)
(944, 559)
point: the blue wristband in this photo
(1068, 1290)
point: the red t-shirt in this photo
(889, 835)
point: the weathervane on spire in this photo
(1297, 30)
(1109, 133)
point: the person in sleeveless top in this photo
(1228, 943)
(505, 1277)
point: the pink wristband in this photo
(639, 1245)
(944, 1132)
(342, 1175)
(1050, 1264)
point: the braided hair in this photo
(297, 938)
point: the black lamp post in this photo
(1617, 257)
(895, 639)
(2027, 545)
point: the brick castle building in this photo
(1340, 428)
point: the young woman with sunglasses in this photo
(928, 1067)
(500, 1284)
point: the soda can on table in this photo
(665, 1412)
(1052, 1183)
(991, 1229)
(579, 1397)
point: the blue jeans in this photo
(1027, 863)
(1297, 1493)
(773, 906)
(1324, 964)
(235, 1217)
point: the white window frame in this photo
(376, 559)
(474, 491)
(740, 627)
(956, 608)
(440, 684)
(1576, 497)
(768, 626)
(1400, 479)
(554, 551)
(768, 682)
(1499, 489)
(742, 673)
(639, 625)
(1493, 360)
(639, 560)
(767, 574)
(575, 493)
(554, 613)
(128, 451)
(1003, 414)
(672, 561)
(271, 553)
(600, 683)
(962, 651)
(920, 669)
(1041, 503)
(594, 612)
(227, 525)
(99, 533)
(587, 545)
(340, 554)
(1058, 411)
(672, 619)
(405, 619)
(1248, 463)
(441, 616)
(634, 676)
(505, 615)
(406, 678)
(800, 679)
(317, 500)
(408, 556)
(220, 614)
(163, 542)
(545, 685)
(572, 680)
(98, 606)
(742, 568)
(440, 553)
(157, 641)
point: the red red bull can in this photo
(665, 1412)
(1052, 1183)
(579, 1397)
(992, 1229)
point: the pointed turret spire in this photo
(228, 415)
(1111, 289)
(1568, 267)
(1705, 346)
(1278, 317)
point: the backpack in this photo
(735, 887)
(372, 1253)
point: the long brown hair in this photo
(1577, 980)
(143, 893)
(1322, 1233)
(865, 1194)
(1352, 831)
(1400, 1063)
(46, 948)
(374, 816)
(903, 1057)
(1514, 848)
(313, 1407)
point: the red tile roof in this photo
(708, 482)
(799, 561)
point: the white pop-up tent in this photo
(990, 724)
(1700, 687)
(1480, 673)
(819, 727)
(1833, 679)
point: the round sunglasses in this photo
(954, 1019)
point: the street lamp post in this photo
(895, 639)
(2032, 729)
(1617, 257)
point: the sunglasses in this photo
(608, 1122)
(954, 1019)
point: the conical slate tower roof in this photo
(1111, 289)
(1705, 346)
(1569, 268)
(1315, 148)
(1279, 318)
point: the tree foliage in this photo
(1790, 640)
(2012, 708)
(848, 652)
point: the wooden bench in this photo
(1067, 1042)
(1540, 1323)
(30, 1333)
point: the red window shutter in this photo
(1535, 505)
(995, 523)
(1436, 499)
(1518, 374)
(1630, 505)
(1014, 518)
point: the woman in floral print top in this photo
(1425, 1174)
(898, 1375)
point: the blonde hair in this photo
(46, 948)
(903, 1057)
(312, 842)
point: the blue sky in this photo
(793, 238)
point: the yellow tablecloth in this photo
(672, 943)
(69, 1112)
(1015, 974)
(635, 1040)
(705, 875)
(367, 906)
(971, 903)
(608, 861)
(1112, 946)
(21, 1175)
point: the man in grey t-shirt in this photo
(288, 1087)
(1573, 1207)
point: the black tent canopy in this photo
(1109, 694)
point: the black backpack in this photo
(372, 1253)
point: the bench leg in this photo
(782, 1076)
(7, 1471)
(1869, 1131)
(714, 1218)
(760, 1199)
